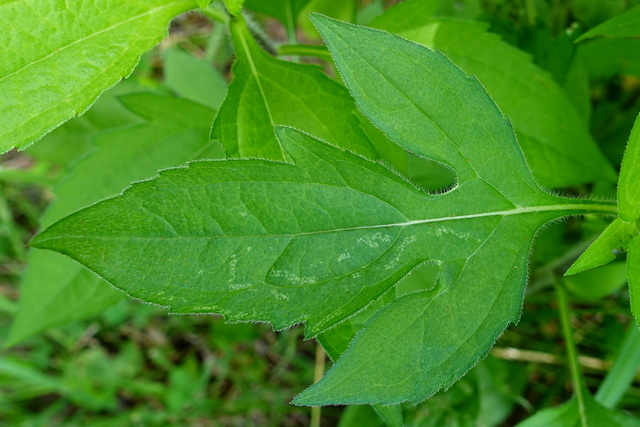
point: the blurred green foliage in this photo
(133, 365)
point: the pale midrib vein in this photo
(569, 209)
(80, 40)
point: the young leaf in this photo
(234, 6)
(616, 237)
(624, 229)
(68, 56)
(555, 139)
(55, 290)
(266, 92)
(633, 272)
(318, 239)
(626, 24)
(628, 184)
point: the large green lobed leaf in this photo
(57, 57)
(318, 238)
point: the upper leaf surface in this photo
(318, 239)
(624, 25)
(55, 290)
(555, 140)
(266, 92)
(58, 57)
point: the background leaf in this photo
(285, 11)
(266, 92)
(56, 290)
(570, 414)
(553, 137)
(68, 57)
(193, 79)
(626, 24)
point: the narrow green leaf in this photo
(318, 239)
(626, 24)
(624, 229)
(628, 184)
(572, 415)
(55, 290)
(193, 79)
(58, 57)
(234, 6)
(633, 272)
(616, 237)
(624, 370)
(266, 92)
(554, 138)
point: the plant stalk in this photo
(572, 353)
(318, 372)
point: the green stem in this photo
(216, 14)
(304, 50)
(531, 11)
(9, 226)
(214, 43)
(572, 353)
(318, 372)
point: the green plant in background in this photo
(298, 198)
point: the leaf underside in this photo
(56, 290)
(317, 239)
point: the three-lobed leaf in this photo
(68, 57)
(318, 238)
